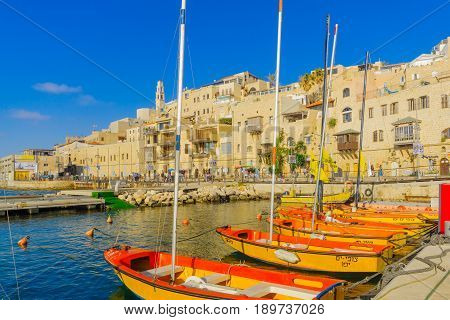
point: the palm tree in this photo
(271, 79)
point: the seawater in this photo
(62, 263)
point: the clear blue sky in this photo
(48, 91)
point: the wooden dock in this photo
(429, 285)
(36, 204)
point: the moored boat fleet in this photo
(317, 234)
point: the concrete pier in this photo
(429, 285)
(36, 204)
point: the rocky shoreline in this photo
(212, 194)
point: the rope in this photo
(12, 246)
(396, 269)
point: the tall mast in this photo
(178, 133)
(275, 118)
(361, 134)
(324, 114)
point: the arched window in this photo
(375, 136)
(347, 115)
(346, 92)
(380, 135)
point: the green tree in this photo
(283, 151)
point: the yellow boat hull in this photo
(148, 292)
(415, 233)
(312, 261)
(335, 198)
(398, 241)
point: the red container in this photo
(444, 206)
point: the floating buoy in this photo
(23, 242)
(109, 220)
(185, 222)
(90, 233)
(259, 216)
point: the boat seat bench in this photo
(264, 288)
(161, 271)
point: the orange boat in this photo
(308, 254)
(339, 232)
(304, 215)
(147, 274)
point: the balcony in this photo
(347, 146)
(347, 140)
(166, 156)
(166, 142)
(254, 125)
(200, 155)
(204, 137)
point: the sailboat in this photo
(312, 253)
(158, 275)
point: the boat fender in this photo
(318, 236)
(368, 192)
(194, 282)
(287, 256)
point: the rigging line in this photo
(398, 35)
(3, 289)
(12, 246)
(171, 47)
(67, 45)
(190, 61)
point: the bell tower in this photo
(160, 99)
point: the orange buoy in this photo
(90, 233)
(23, 242)
(259, 216)
(109, 220)
(185, 222)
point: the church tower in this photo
(160, 99)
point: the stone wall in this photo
(37, 185)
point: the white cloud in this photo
(87, 100)
(55, 88)
(23, 114)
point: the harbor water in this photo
(62, 263)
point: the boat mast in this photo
(361, 134)
(178, 133)
(324, 114)
(275, 118)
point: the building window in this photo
(370, 112)
(415, 76)
(423, 102)
(207, 96)
(375, 136)
(249, 149)
(225, 148)
(444, 101)
(238, 149)
(186, 148)
(384, 110)
(347, 115)
(346, 92)
(123, 156)
(308, 140)
(127, 156)
(411, 105)
(404, 133)
(380, 135)
(393, 108)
